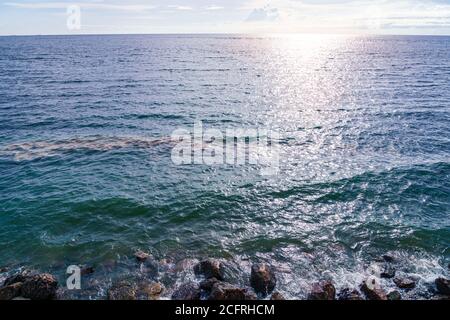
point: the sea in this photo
(87, 175)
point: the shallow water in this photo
(86, 175)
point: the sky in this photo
(27, 17)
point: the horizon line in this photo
(221, 33)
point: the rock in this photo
(373, 292)
(394, 295)
(3, 269)
(210, 268)
(21, 298)
(141, 256)
(11, 291)
(40, 287)
(150, 291)
(349, 294)
(226, 291)
(443, 286)
(187, 291)
(20, 277)
(122, 290)
(405, 283)
(207, 284)
(263, 279)
(183, 265)
(388, 258)
(277, 296)
(388, 272)
(441, 298)
(323, 290)
(87, 270)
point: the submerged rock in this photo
(86, 270)
(11, 291)
(211, 268)
(372, 292)
(183, 265)
(323, 290)
(141, 256)
(187, 291)
(122, 290)
(388, 258)
(394, 295)
(277, 296)
(263, 279)
(388, 272)
(349, 294)
(405, 283)
(226, 291)
(443, 286)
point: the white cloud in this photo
(181, 8)
(84, 5)
(263, 14)
(215, 8)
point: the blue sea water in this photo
(86, 175)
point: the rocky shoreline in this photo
(213, 283)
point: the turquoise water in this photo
(86, 175)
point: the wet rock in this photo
(150, 291)
(3, 269)
(388, 272)
(40, 287)
(443, 286)
(21, 298)
(122, 290)
(263, 279)
(277, 296)
(20, 277)
(87, 270)
(141, 256)
(373, 292)
(441, 297)
(11, 291)
(187, 291)
(226, 291)
(211, 268)
(349, 294)
(388, 258)
(183, 265)
(405, 283)
(394, 295)
(323, 290)
(207, 284)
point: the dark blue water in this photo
(86, 175)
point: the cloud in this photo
(263, 14)
(84, 5)
(181, 8)
(214, 8)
